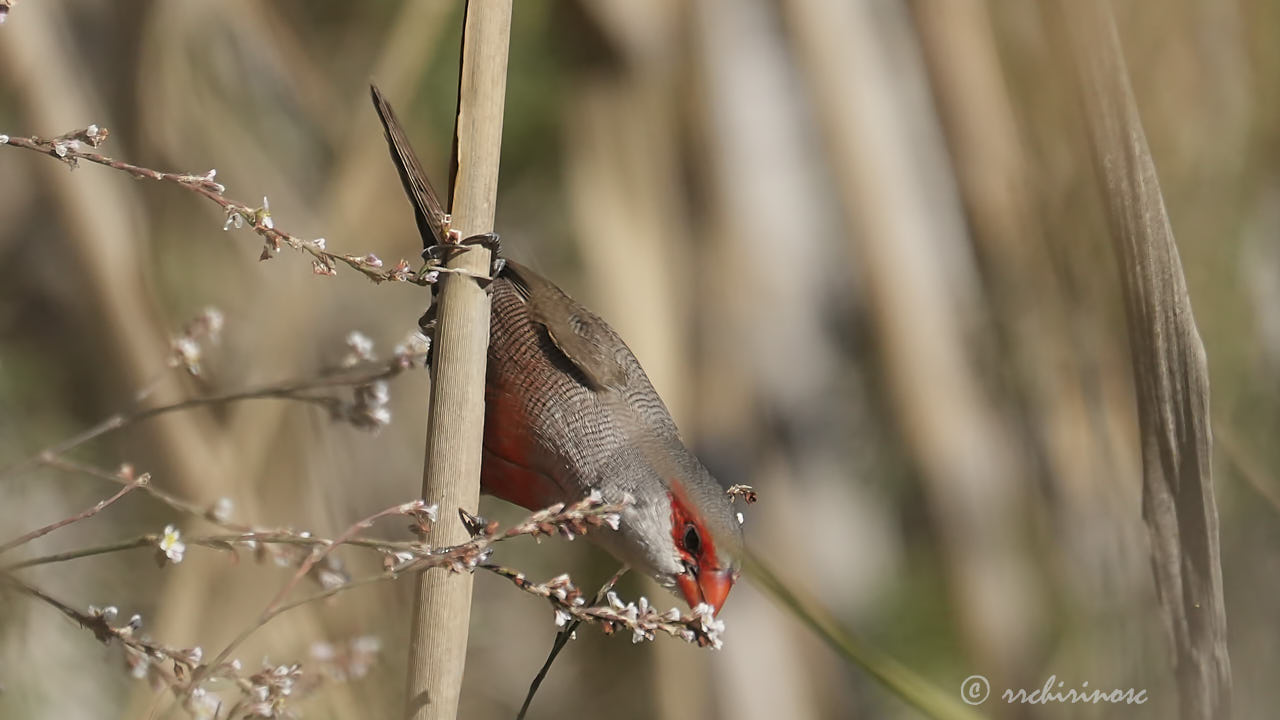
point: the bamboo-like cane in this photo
(442, 603)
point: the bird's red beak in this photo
(710, 586)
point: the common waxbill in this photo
(568, 410)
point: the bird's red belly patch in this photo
(507, 470)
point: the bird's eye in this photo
(692, 541)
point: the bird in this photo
(569, 411)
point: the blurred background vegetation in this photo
(858, 247)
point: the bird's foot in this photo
(437, 255)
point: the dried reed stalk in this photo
(1169, 366)
(455, 432)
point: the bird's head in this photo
(708, 541)
(683, 531)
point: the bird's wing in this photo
(583, 338)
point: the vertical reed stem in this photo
(455, 432)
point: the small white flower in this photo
(414, 344)
(367, 644)
(267, 222)
(741, 520)
(562, 618)
(187, 352)
(706, 616)
(60, 149)
(361, 346)
(138, 666)
(222, 509)
(4, 139)
(381, 416)
(213, 320)
(171, 544)
(370, 411)
(319, 243)
(379, 393)
(323, 651)
(330, 579)
(202, 705)
(613, 520)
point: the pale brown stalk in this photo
(1171, 374)
(451, 479)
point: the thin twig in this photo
(69, 148)
(698, 627)
(562, 639)
(315, 557)
(218, 542)
(573, 519)
(122, 478)
(931, 700)
(295, 390)
(83, 515)
(183, 670)
(133, 543)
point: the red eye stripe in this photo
(682, 515)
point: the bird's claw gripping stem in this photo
(441, 253)
(490, 241)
